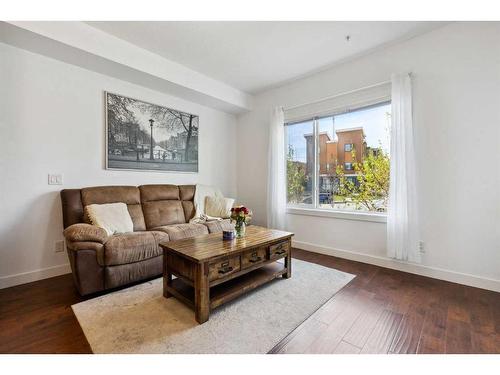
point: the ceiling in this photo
(254, 56)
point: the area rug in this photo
(140, 320)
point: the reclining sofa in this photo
(159, 213)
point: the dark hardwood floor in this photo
(380, 311)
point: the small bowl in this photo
(228, 235)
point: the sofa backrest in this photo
(130, 195)
(149, 206)
(72, 206)
(162, 205)
(186, 194)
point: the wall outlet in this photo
(59, 246)
(55, 179)
(421, 246)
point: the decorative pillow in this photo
(218, 206)
(112, 217)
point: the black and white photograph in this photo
(148, 136)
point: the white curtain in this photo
(402, 215)
(276, 179)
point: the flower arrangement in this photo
(241, 215)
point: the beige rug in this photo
(140, 320)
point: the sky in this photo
(160, 134)
(374, 121)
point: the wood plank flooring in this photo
(380, 311)
(387, 311)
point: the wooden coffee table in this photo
(210, 271)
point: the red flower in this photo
(239, 211)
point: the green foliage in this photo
(370, 188)
(296, 178)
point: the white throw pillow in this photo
(218, 206)
(112, 217)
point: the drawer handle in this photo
(255, 260)
(225, 270)
(280, 252)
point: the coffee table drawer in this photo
(223, 268)
(253, 257)
(279, 250)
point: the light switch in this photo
(55, 179)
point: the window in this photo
(341, 161)
(300, 162)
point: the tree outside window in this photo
(352, 164)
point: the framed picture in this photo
(150, 137)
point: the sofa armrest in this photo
(85, 233)
(87, 246)
(87, 266)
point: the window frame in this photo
(314, 209)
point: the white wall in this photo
(80, 44)
(457, 120)
(52, 121)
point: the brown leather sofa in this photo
(159, 213)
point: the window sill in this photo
(361, 216)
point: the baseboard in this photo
(30, 276)
(418, 269)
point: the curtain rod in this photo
(336, 95)
(340, 94)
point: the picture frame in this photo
(143, 136)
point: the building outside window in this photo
(340, 162)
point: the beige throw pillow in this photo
(218, 206)
(112, 217)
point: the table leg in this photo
(201, 293)
(288, 263)
(167, 276)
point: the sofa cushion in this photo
(130, 195)
(186, 192)
(133, 247)
(182, 231)
(161, 213)
(216, 226)
(161, 205)
(151, 193)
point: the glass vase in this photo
(240, 229)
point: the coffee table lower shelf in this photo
(230, 289)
